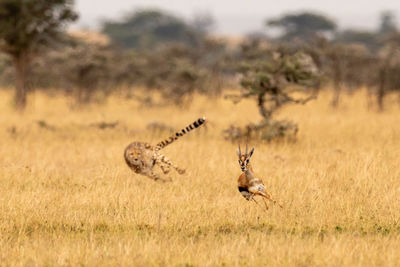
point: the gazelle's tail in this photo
(180, 133)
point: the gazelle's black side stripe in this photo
(243, 189)
(180, 133)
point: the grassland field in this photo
(67, 197)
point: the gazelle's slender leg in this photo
(265, 203)
(255, 201)
(266, 207)
(274, 201)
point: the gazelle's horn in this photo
(240, 152)
(246, 149)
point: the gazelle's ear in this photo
(238, 151)
(251, 152)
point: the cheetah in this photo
(141, 157)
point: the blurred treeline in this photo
(157, 51)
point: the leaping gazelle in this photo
(248, 184)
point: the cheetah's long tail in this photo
(180, 133)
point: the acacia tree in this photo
(274, 78)
(388, 23)
(302, 25)
(26, 26)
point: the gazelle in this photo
(248, 184)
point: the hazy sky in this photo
(241, 16)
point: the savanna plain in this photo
(67, 197)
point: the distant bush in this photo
(179, 71)
(150, 28)
(78, 68)
(86, 70)
(353, 66)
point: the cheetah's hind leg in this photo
(164, 168)
(163, 160)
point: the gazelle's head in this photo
(244, 159)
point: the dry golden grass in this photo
(67, 197)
